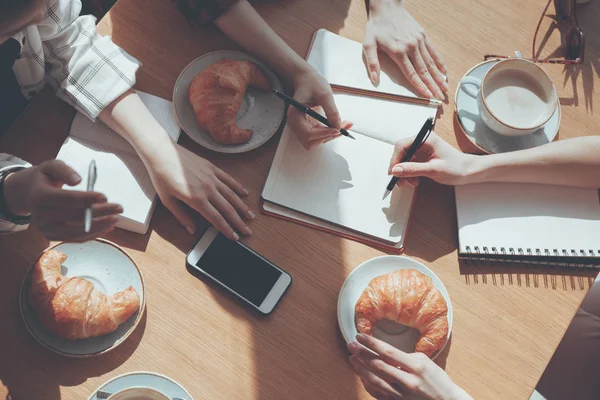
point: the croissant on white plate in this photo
(217, 93)
(407, 297)
(72, 308)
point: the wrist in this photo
(16, 199)
(379, 6)
(459, 394)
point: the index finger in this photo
(409, 72)
(399, 150)
(54, 197)
(387, 353)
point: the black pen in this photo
(416, 144)
(309, 111)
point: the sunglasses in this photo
(574, 40)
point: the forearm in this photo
(374, 6)
(571, 162)
(247, 28)
(129, 117)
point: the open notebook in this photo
(529, 224)
(122, 176)
(338, 186)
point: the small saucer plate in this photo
(397, 335)
(487, 140)
(153, 380)
(260, 111)
(111, 270)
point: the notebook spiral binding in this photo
(571, 258)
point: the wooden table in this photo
(507, 323)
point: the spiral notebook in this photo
(529, 224)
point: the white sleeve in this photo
(87, 70)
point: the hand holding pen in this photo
(409, 153)
(310, 126)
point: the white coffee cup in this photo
(515, 97)
(139, 393)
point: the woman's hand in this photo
(436, 159)
(186, 182)
(393, 30)
(314, 91)
(388, 373)
(58, 214)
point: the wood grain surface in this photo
(507, 322)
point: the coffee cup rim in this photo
(138, 387)
(545, 120)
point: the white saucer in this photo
(152, 380)
(111, 270)
(395, 334)
(488, 140)
(260, 111)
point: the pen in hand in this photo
(307, 110)
(91, 181)
(410, 153)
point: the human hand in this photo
(436, 159)
(394, 374)
(393, 30)
(314, 91)
(185, 181)
(58, 214)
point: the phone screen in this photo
(239, 269)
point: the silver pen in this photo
(91, 181)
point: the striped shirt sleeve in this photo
(87, 70)
(8, 164)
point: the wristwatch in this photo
(5, 213)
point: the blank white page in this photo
(528, 216)
(341, 182)
(340, 61)
(122, 177)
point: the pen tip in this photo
(351, 137)
(386, 194)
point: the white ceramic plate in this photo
(395, 334)
(488, 140)
(152, 380)
(260, 111)
(111, 270)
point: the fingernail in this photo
(439, 95)
(352, 346)
(235, 236)
(429, 94)
(245, 191)
(101, 198)
(75, 177)
(119, 210)
(191, 229)
(374, 77)
(361, 337)
(445, 86)
(248, 231)
(251, 214)
(397, 170)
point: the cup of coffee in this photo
(515, 97)
(139, 393)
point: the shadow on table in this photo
(587, 15)
(572, 279)
(21, 378)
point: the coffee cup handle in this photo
(467, 84)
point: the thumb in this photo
(58, 171)
(371, 57)
(181, 213)
(412, 170)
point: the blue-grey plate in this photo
(159, 382)
(111, 270)
(488, 140)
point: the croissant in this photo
(409, 298)
(216, 95)
(72, 308)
